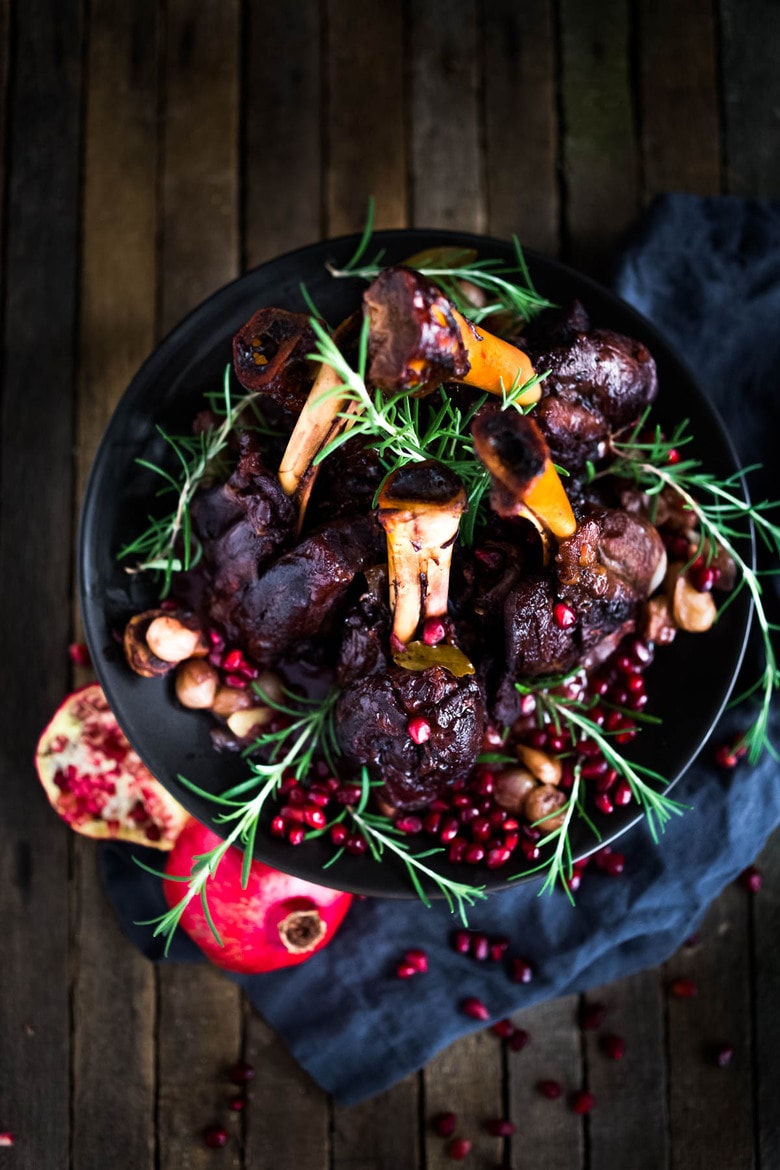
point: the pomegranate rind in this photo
(96, 782)
(252, 922)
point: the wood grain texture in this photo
(710, 1108)
(281, 151)
(749, 47)
(380, 1134)
(600, 155)
(447, 167)
(200, 222)
(549, 1134)
(288, 1115)
(114, 986)
(521, 122)
(42, 212)
(766, 1008)
(629, 1091)
(366, 145)
(680, 138)
(465, 1079)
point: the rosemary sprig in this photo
(723, 520)
(509, 288)
(168, 545)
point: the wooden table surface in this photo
(153, 150)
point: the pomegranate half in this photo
(96, 782)
(277, 921)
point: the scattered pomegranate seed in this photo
(475, 1008)
(237, 1104)
(356, 844)
(582, 1101)
(406, 970)
(408, 824)
(519, 1039)
(498, 948)
(592, 1015)
(564, 616)
(683, 988)
(622, 794)
(215, 1137)
(445, 1124)
(459, 1148)
(233, 660)
(479, 947)
(6, 1138)
(461, 942)
(704, 577)
(673, 456)
(242, 1072)
(418, 959)
(522, 971)
(79, 654)
(338, 833)
(723, 1055)
(296, 835)
(751, 879)
(500, 1127)
(419, 729)
(503, 1029)
(603, 803)
(613, 1046)
(433, 631)
(550, 1089)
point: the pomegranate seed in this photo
(408, 824)
(448, 830)
(356, 843)
(537, 739)
(296, 835)
(595, 769)
(474, 854)
(605, 782)
(242, 1072)
(433, 631)
(683, 988)
(236, 681)
(522, 971)
(471, 1006)
(613, 864)
(457, 850)
(78, 654)
(498, 948)
(233, 660)
(582, 1102)
(636, 684)
(481, 829)
(622, 794)
(703, 577)
(215, 1137)
(641, 652)
(613, 1046)
(406, 970)
(500, 1127)
(527, 705)
(725, 757)
(484, 784)
(348, 794)
(751, 879)
(519, 1039)
(338, 833)
(480, 947)
(6, 1138)
(216, 639)
(603, 802)
(445, 1124)
(314, 817)
(564, 616)
(461, 942)
(673, 456)
(550, 1089)
(419, 729)
(237, 1104)
(418, 959)
(459, 1148)
(503, 1028)
(723, 1055)
(432, 822)
(592, 1015)
(573, 881)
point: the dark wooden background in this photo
(152, 150)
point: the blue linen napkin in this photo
(707, 273)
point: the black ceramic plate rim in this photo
(356, 874)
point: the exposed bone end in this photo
(415, 340)
(524, 479)
(270, 356)
(496, 365)
(420, 507)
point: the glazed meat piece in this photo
(611, 549)
(347, 482)
(364, 645)
(300, 594)
(373, 718)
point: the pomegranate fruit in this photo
(96, 782)
(277, 921)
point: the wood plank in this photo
(521, 123)
(679, 97)
(200, 220)
(749, 44)
(5, 36)
(465, 1079)
(379, 1134)
(630, 1091)
(549, 1133)
(40, 265)
(114, 986)
(447, 163)
(287, 1116)
(600, 156)
(766, 931)
(200, 1018)
(366, 153)
(720, 966)
(282, 139)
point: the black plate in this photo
(689, 682)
